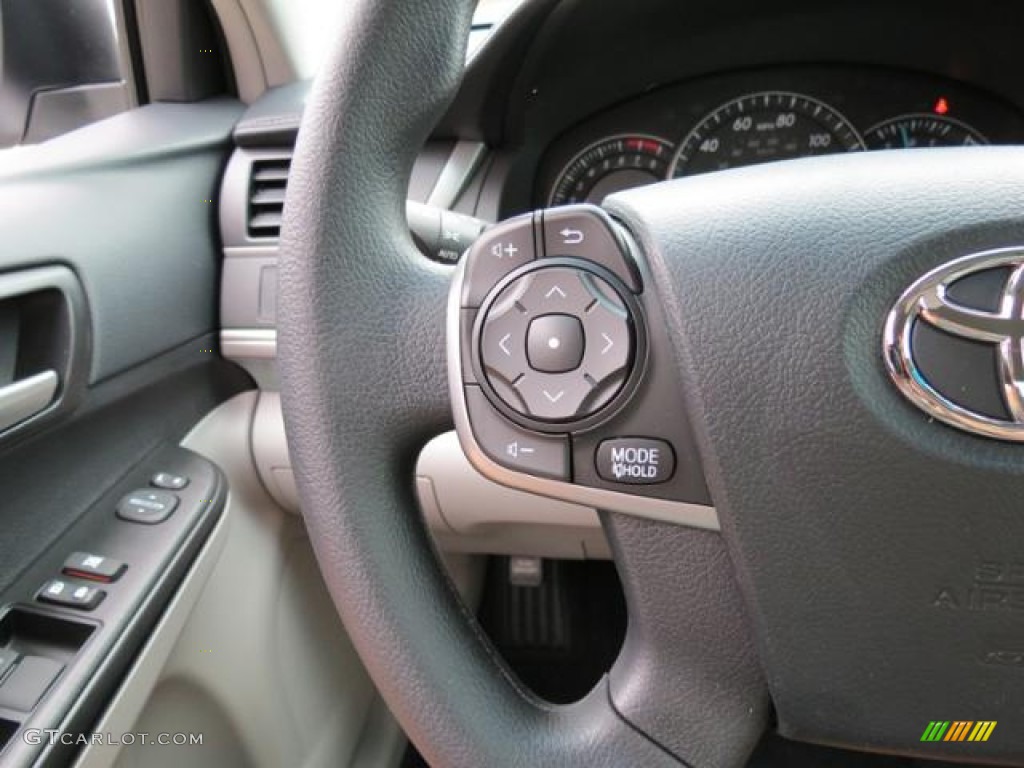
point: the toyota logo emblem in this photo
(954, 343)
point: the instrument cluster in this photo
(746, 118)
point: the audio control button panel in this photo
(561, 382)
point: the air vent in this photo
(266, 196)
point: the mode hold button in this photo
(636, 460)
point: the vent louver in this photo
(266, 196)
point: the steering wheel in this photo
(857, 578)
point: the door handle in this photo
(44, 348)
(26, 397)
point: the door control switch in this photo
(93, 567)
(146, 506)
(168, 481)
(69, 594)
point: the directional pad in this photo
(556, 345)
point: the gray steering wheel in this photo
(863, 575)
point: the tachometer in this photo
(611, 165)
(922, 130)
(761, 127)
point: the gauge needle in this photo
(905, 135)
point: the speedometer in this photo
(761, 127)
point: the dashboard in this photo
(743, 118)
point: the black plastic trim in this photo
(131, 25)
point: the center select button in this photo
(554, 343)
(636, 460)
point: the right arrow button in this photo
(609, 342)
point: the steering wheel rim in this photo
(358, 297)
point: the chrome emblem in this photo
(928, 301)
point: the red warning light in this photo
(941, 106)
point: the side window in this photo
(62, 66)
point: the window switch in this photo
(93, 567)
(83, 597)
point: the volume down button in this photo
(513, 447)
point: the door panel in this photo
(128, 204)
(126, 208)
(257, 661)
